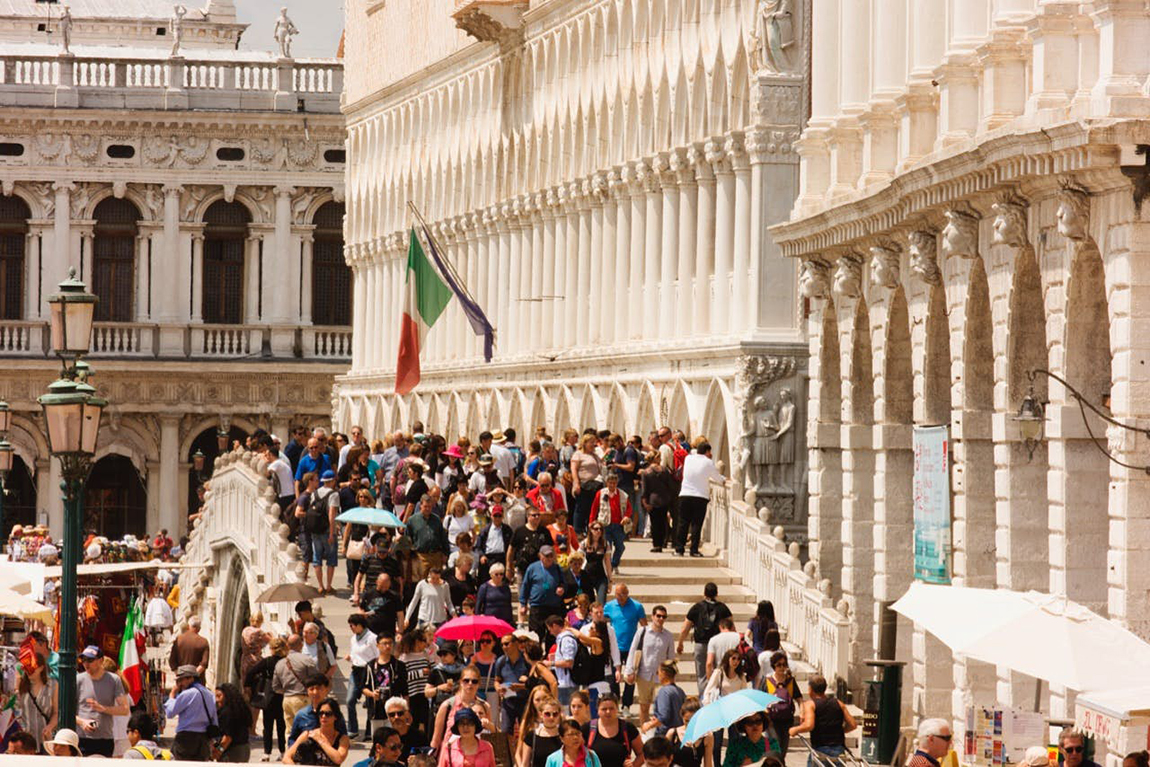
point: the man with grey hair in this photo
(289, 675)
(399, 719)
(934, 737)
(1072, 746)
(190, 649)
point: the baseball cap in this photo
(91, 652)
(328, 476)
(546, 551)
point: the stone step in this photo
(663, 591)
(668, 572)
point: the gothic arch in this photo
(588, 409)
(494, 411)
(717, 415)
(898, 376)
(563, 411)
(936, 368)
(617, 410)
(255, 213)
(515, 417)
(474, 415)
(862, 377)
(679, 409)
(451, 430)
(830, 362)
(646, 413)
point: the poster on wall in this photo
(931, 504)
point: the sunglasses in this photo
(327, 712)
(393, 745)
(660, 615)
(486, 641)
(550, 714)
(948, 737)
(469, 681)
(395, 714)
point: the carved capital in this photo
(63, 186)
(1073, 211)
(172, 190)
(1010, 226)
(716, 156)
(814, 278)
(923, 257)
(884, 265)
(284, 191)
(960, 235)
(736, 151)
(848, 276)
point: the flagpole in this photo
(446, 261)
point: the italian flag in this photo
(425, 299)
(132, 664)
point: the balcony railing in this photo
(141, 340)
(169, 82)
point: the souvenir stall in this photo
(1117, 720)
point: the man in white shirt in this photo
(718, 646)
(357, 440)
(318, 651)
(279, 471)
(695, 494)
(504, 459)
(566, 647)
(361, 653)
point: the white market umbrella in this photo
(1044, 636)
(20, 606)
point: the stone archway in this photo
(115, 501)
(232, 615)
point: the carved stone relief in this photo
(923, 257)
(1073, 212)
(814, 279)
(960, 235)
(848, 276)
(884, 266)
(1009, 222)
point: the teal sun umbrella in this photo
(366, 515)
(727, 710)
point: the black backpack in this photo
(583, 672)
(708, 623)
(315, 519)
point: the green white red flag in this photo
(132, 663)
(425, 299)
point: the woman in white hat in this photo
(66, 743)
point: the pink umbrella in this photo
(472, 627)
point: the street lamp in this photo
(5, 461)
(72, 411)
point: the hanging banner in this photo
(931, 504)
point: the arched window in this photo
(225, 230)
(114, 259)
(115, 500)
(331, 276)
(14, 215)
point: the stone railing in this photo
(23, 338)
(143, 340)
(771, 569)
(169, 82)
(237, 548)
(326, 343)
(123, 339)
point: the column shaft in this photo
(704, 244)
(669, 252)
(170, 504)
(724, 247)
(741, 270)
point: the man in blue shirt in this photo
(318, 690)
(626, 615)
(196, 708)
(541, 594)
(315, 460)
(510, 674)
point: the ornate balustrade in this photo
(141, 340)
(773, 571)
(237, 548)
(169, 82)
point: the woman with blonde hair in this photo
(259, 681)
(539, 740)
(586, 469)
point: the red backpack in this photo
(680, 455)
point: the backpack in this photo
(708, 625)
(315, 519)
(582, 673)
(680, 455)
(785, 708)
(165, 754)
(748, 661)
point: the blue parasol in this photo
(727, 710)
(366, 515)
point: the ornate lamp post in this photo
(5, 461)
(72, 413)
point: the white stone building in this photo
(971, 211)
(600, 173)
(198, 191)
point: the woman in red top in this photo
(466, 749)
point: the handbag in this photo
(354, 550)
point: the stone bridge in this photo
(238, 548)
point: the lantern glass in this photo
(198, 461)
(73, 310)
(5, 418)
(91, 426)
(6, 453)
(1030, 419)
(65, 426)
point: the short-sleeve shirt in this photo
(625, 619)
(612, 752)
(721, 643)
(705, 617)
(105, 690)
(566, 647)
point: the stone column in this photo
(170, 504)
(307, 245)
(607, 262)
(889, 70)
(511, 278)
(583, 273)
(528, 232)
(374, 287)
(956, 75)
(358, 311)
(724, 240)
(557, 267)
(197, 275)
(1054, 51)
(535, 308)
(703, 156)
(143, 237)
(917, 108)
(152, 489)
(598, 309)
(669, 245)
(813, 147)
(49, 500)
(87, 240)
(651, 251)
(621, 188)
(571, 267)
(685, 310)
(168, 265)
(543, 324)
(252, 278)
(489, 268)
(61, 240)
(638, 172)
(741, 269)
(1123, 28)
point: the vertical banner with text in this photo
(931, 504)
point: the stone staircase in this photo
(677, 583)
